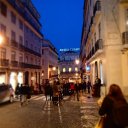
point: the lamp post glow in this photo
(77, 61)
(1, 39)
(54, 68)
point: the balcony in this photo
(32, 52)
(96, 50)
(97, 10)
(21, 47)
(125, 39)
(4, 62)
(14, 43)
(25, 65)
(14, 63)
(99, 45)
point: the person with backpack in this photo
(115, 108)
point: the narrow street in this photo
(41, 114)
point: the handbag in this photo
(101, 122)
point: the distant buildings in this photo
(69, 66)
(104, 45)
(49, 61)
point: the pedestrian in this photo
(77, 90)
(89, 86)
(96, 87)
(84, 87)
(114, 95)
(17, 91)
(48, 90)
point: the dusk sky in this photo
(61, 21)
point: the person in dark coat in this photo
(96, 87)
(115, 95)
(77, 89)
(48, 90)
(89, 86)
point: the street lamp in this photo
(77, 61)
(54, 68)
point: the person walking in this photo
(89, 86)
(114, 95)
(77, 90)
(48, 90)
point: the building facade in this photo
(20, 49)
(69, 66)
(49, 61)
(104, 45)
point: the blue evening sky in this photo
(61, 21)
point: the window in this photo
(76, 69)
(3, 29)
(31, 60)
(26, 43)
(26, 59)
(42, 51)
(31, 46)
(3, 9)
(20, 57)
(13, 18)
(42, 61)
(99, 29)
(3, 53)
(13, 56)
(95, 37)
(20, 40)
(64, 69)
(70, 69)
(13, 35)
(20, 24)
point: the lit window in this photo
(70, 69)
(64, 70)
(76, 69)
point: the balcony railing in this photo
(14, 63)
(25, 65)
(4, 62)
(125, 37)
(32, 52)
(98, 46)
(14, 43)
(21, 47)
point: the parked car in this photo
(6, 93)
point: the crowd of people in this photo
(56, 91)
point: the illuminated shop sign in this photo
(69, 49)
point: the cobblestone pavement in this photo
(41, 114)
